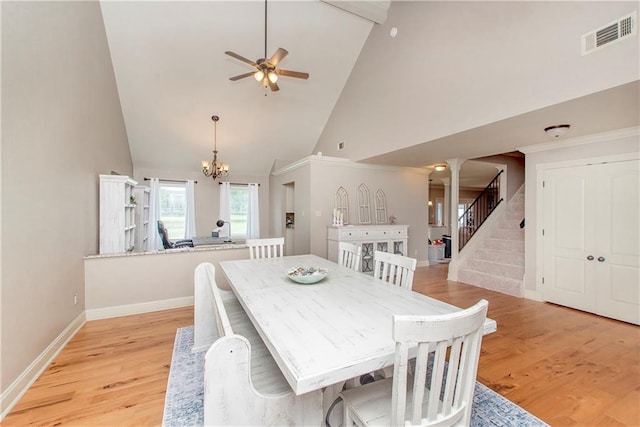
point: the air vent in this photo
(612, 32)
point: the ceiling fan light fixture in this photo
(273, 77)
(258, 75)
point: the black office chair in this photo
(168, 244)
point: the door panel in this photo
(568, 234)
(618, 213)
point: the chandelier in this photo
(214, 169)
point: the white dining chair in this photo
(266, 248)
(440, 392)
(395, 269)
(349, 255)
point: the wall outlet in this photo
(75, 298)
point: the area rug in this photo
(185, 394)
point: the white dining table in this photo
(324, 334)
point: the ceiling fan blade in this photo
(278, 56)
(295, 74)
(241, 58)
(241, 76)
(274, 86)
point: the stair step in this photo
(495, 268)
(514, 214)
(505, 257)
(509, 224)
(504, 245)
(488, 281)
(508, 234)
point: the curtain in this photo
(190, 216)
(155, 242)
(253, 213)
(225, 205)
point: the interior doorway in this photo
(289, 218)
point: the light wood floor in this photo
(567, 367)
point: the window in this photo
(239, 199)
(173, 208)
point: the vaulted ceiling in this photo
(173, 75)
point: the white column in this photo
(454, 166)
(446, 215)
(428, 199)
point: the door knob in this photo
(601, 259)
(590, 257)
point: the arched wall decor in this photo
(381, 207)
(364, 204)
(342, 204)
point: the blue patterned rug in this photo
(185, 392)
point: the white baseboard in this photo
(424, 263)
(19, 387)
(145, 307)
(533, 295)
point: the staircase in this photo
(497, 261)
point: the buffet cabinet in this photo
(117, 214)
(371, 238)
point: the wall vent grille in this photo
(613, 32)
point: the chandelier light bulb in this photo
(273, 77)
(258, 75)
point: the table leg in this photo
(330, 394)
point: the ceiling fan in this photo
(267, 72)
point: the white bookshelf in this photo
(117, 214)
(142, 195)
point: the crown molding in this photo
(340, 161)
(582, 140)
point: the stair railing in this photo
(479, 211)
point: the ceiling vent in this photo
(613, 32)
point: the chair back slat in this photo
(266, 248)
(394, 269)
(349, 255)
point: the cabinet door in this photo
(367, 262)
(618, 242)
(569, 235)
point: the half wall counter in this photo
(139, 282)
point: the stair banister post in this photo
(454, 166)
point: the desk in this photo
(209, 241)
(327, 333)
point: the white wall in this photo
(458, 65)
(61, 126)
(609, 144)
(207, 195)
(405, 190)
(279, 180)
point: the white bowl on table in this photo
(306, 275)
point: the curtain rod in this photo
(168, 180)
(237, 183)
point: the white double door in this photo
(591, 238)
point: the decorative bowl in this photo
(307, 275)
